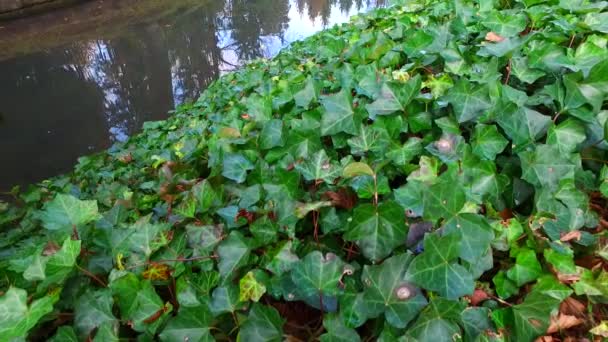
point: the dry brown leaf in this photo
(573, 307)
(544, 339)
(568, 278)
(493, 37)
(573, 235)
(563, 322)
(478, 296)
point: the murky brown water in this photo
(75, 81)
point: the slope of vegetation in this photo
(434, 171)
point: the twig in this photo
(500, 300)
(172, 260)
(508, 72)
(92, 276)
(571, 41)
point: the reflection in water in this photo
(77, 98)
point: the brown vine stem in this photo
(571, 41)
(172, 260)
(375, 190)
(92, 276)
(508, 72)
(595, 159)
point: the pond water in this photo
(73, 82)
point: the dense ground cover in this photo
(428, 172)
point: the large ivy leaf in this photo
(488, 142)
(17, 317)
(66, 213)
(236, 167)
(60, 265)
(337, 331)
(394, 97)
(317, 275)
(308, 94)
(437, 269)
(438, 321)
(232, 253)
(475, 232)
(338, 115)
(190, 324)
(92, 310)
(443, 200)
(526, 268)
(546, 166)
(139, 302)
(522, 125)
(259, 108)
(387, 291)
(377, 230)
(505, 23)
(319, 167)
(468, 101)
(567, 136)
(263, 324)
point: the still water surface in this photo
(73, 82)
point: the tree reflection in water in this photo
(76, 98)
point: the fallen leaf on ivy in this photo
(573, 235)
(494, 38)
(478, 296)
(157, 272)
(571, 306)
(601, 329)
(563, 322)
(342, 198)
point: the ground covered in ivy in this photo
(433, 171)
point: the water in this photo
(75, 81)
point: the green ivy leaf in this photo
(488, 142)
(468, 101)
(61, 264)
(438, 321)
(251, 288)
(387, 291)
(66, 212)
(190, 324)
(338, 115)
(272, 135)
(17, 317)
(505, 23)
(394, 97)
(475, 233)
(236, 167)
(319, 167)
(92, 310)
(566, 136)
(308, 94)
(264, 324)
(232, 253)
(526, 268)
(337, 331)
(436, 268)
(317, 275)
(377, 231)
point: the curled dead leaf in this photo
(50, 248)
(478, 296)
(157, 272)
(493, 37)
(573, 307)
(573, 235)
(563, 322)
